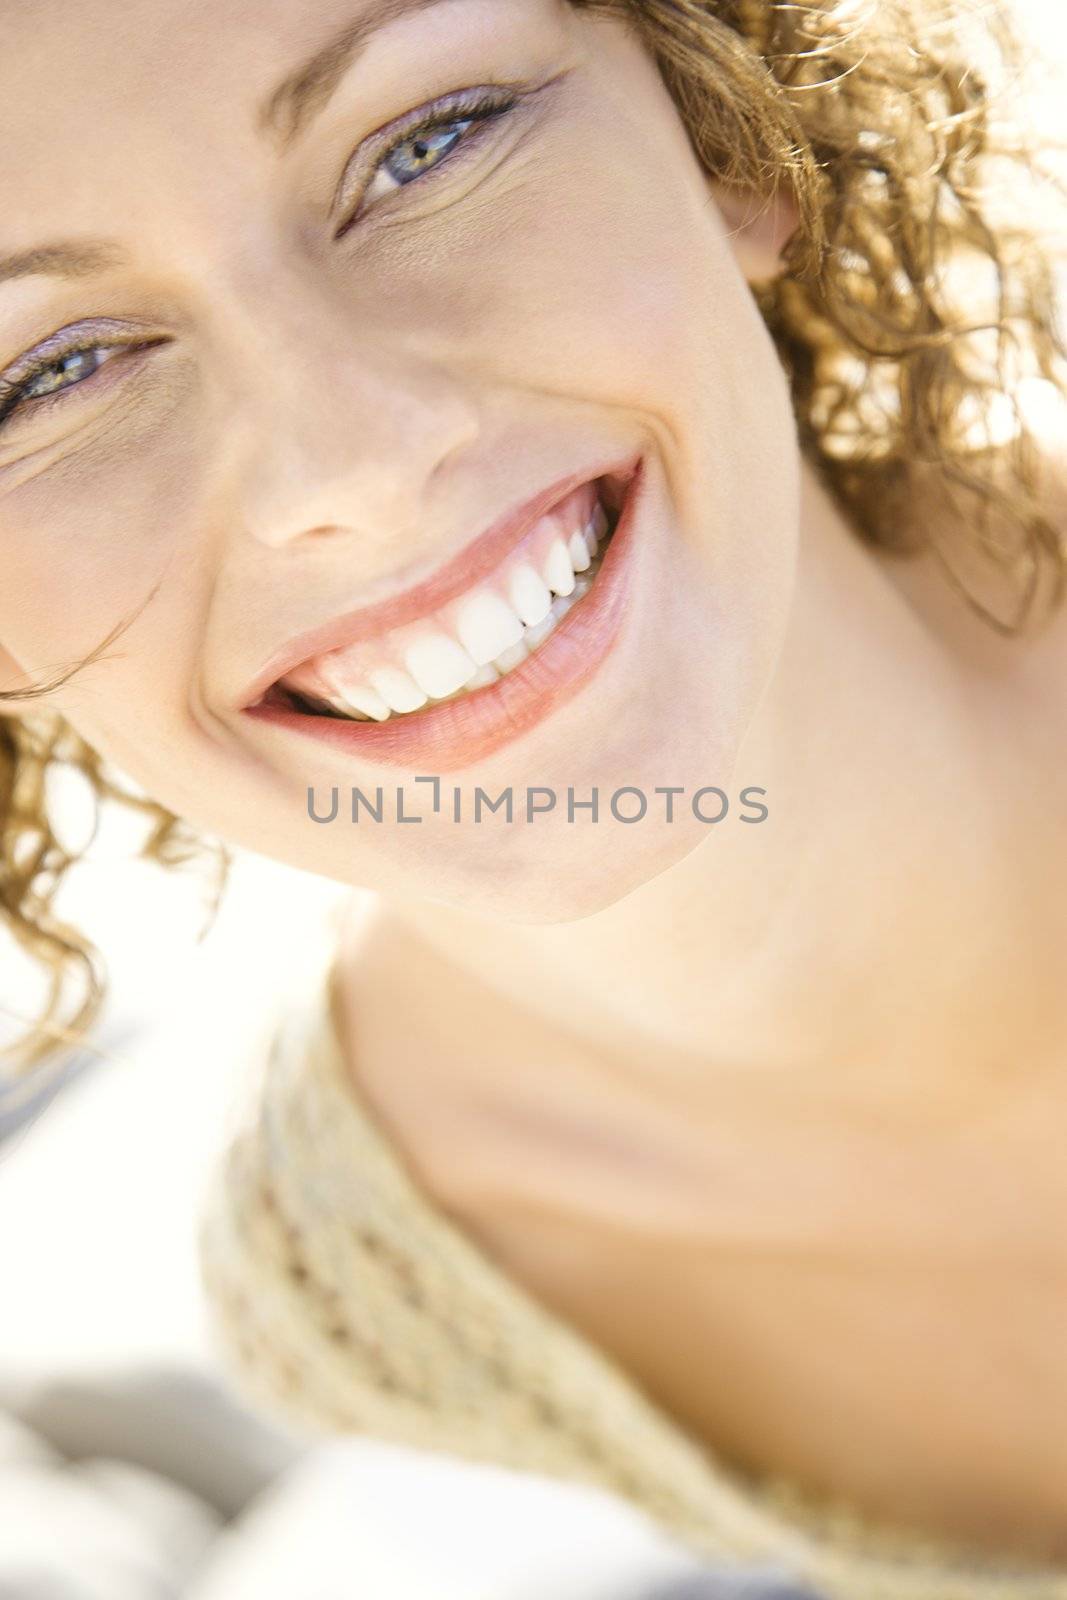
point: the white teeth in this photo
(397, 689)
(530, 597)
(495, 635)
(557, 571)
(438, 664)
(483, 677)
(538, 634)
(578, 551)
(486, 625)
(363, 698)
(512, 657)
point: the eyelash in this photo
(12, 393)
(476, 108)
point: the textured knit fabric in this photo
(352, 1303)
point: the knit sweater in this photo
(346, 1300)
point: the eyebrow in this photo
(61, 260)
(305, 92)
(286, 111)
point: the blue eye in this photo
(419, 152)
(64, 373)
(54, 373)
(424, 147)
(53, 376)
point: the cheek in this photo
(576, 271)
(87, 535)
(80, 565)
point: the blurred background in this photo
(130, 1468)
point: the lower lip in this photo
(458, 732)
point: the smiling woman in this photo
(604, 395)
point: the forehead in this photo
(100, 99)
(67, 59)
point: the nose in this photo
(344, 430)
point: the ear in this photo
(758, 227)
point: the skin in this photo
(820, 1058)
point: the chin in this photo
(568, 886)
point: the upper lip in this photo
(475, 560)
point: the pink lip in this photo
(457, 733)
(475, 561)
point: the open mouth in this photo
(481, 637)
(453, 684)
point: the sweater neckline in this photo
(700, 1499)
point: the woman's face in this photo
(336, 401)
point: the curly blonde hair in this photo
(909, 314)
